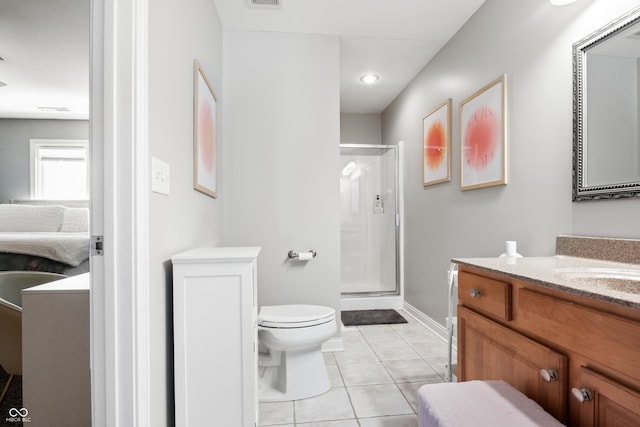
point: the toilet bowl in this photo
(291, 365)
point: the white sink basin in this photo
(618, 279)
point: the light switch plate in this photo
(160, 176)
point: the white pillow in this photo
(33, 218)
(75, 220)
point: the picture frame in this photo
(483, 137)
(436, 145)
(204, 134)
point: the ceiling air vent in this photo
(266, 4)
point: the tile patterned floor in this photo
(374, 381)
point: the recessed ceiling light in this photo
(369, 78)
(561, 2)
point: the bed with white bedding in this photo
(51, 238)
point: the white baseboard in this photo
(371, 303)
(429, 323)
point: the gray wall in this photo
(360, 128)
(185, 218)
(281, 170)
(14, 149)
(531, 42)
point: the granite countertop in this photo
(566, 274)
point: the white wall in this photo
(179, 32)
(281, 174)
(360, 128)
(531, 42)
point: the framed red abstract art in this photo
(204, 134)
(436, 145)
(483, 125)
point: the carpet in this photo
(371, 317)
(13, 399)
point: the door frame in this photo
(119, 212)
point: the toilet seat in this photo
(294, 316)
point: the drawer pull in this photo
(581, 395)
(548, 375)
(474, 293)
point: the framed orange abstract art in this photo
(483, 125)
(204, 134)
(436, 137)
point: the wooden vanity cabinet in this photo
(606, 403)
(490, 351)
(552, 346)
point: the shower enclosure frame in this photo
(385, 299)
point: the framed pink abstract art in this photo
(204, 134)
(436, 145)
(483, 125)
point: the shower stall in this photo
(371, 226)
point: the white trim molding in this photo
(119, 212)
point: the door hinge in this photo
(96, 245)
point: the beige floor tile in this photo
(394, 351)
(367, 373)
(393, 421)
(410, 371)
(356, 352)
(378, 400)
(439, 364)
(412, 333)
(329, 358)
(430, 349)
(330, 406)
(384, 333)
(410, 392)
(334, 376)
(340, 423)
(275, 413)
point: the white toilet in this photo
(291, 364)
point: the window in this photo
(59, 169)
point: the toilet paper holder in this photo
(305, 255)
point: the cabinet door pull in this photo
(548, 375)
(474, 293)
(581, 395)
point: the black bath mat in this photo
(371, 317)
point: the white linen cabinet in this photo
(215, 336)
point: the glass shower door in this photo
(368, 192)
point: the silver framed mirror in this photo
(606, 111)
